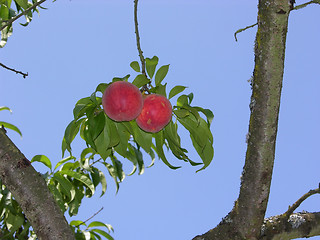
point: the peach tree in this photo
(147, 127)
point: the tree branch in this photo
(31, 192)
(24, 75)
(143, 65)
(10, 21)
(306, 4)
(247, 216)
(300, 200)
(298, 225)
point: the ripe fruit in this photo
(122, 101)
(156, 113)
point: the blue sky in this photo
(75, 45)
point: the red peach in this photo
(122, 101)
(156, 113)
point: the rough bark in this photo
(297, 225)
(31, 192)
(247, 216)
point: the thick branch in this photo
(31, 192)
(246, 218)
(24, 75)
(10, 21)
(298, 225)
(263, 126)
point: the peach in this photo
(156, 113)
(122, 101)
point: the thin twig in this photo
(143, 65)
(300, 200)
(10, 21)
(24, 75)
(306, 4)
(91, 217)
(94, 215)
(243, 29)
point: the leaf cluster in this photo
(111, 140)
(9, 9)
(70, 181)
(9, 125)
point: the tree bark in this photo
(246, 218)
(298, 225)
(31, 192)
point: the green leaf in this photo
(161, 74)
(176, 90)
(140, 80)
(14, 222)
(70, 166)
(206, 154)
(113, 173)
(75, 203)
(153, 157)
(83, 106)
(190, 96)
(80, 177)
(135, 66)
(10, 126)
(67, 187)
(160, 89)
(103, 233)
(70, 133)
(195, 130)
(22, 3)
(77, 223)
(143, 138)
(193, 111)
(96, 124)
(131, 156)
(151, 65)
(100, 224)
(5, 108)
(4, 12)
(118, 169)
(103, 182)
(43, 159)
(99, 177)
(125, 78)
(201, 137)
(102, 87)
(138, 158)
(182, 101)
(159, 149)
(173, 139)
(85, 134)
(63, 161)
(124, 137)
(208, 113)
(181, 113)
(5, 34)
(113, 133)
(102, 142)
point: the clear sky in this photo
(75, 45)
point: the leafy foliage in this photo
(8, 12)
(70, 182)
(110, 140)
(9, 125)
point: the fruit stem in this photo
(143, 65)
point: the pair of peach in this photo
(123, 101)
